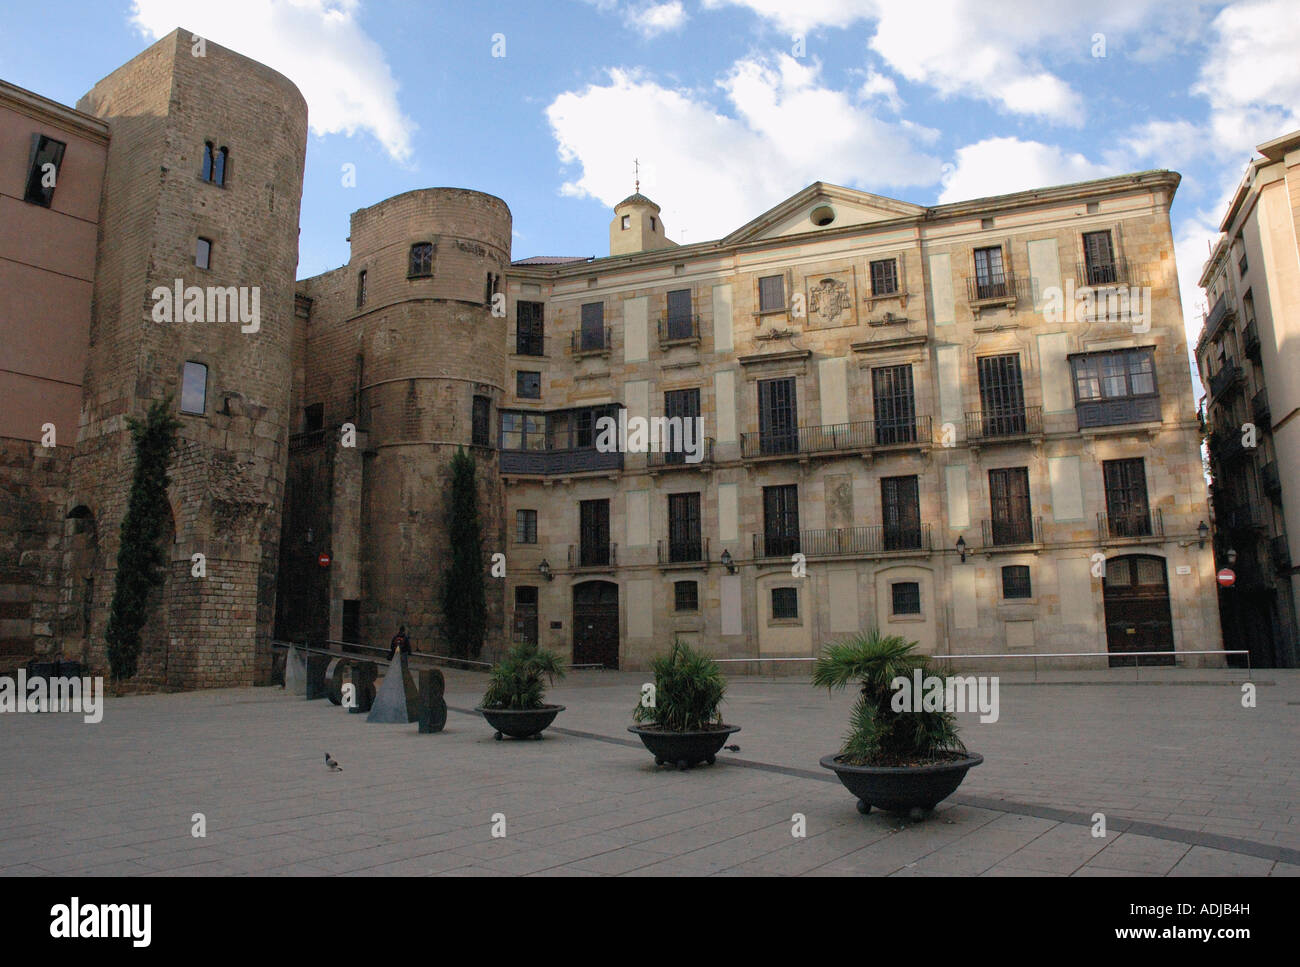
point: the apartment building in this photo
(1248, 354)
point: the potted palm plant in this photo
(682, 724)
(895, 759)
(513, 703)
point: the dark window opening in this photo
(593, 522)
(528, 329)
(421, 260)
(990, 278)
(1002, 395)
(785, 604)
(1015, 581)
(900, 513)
(361, 289)
(1012, 521)
(685, 405)
(525, 527)
(313, 417)
(895, 404)
(43, 167)
(884, 277)
(906, 597)
(1099, 258)
(1127, 512)
(781, 520)
(481, 422)
(778, 429)
(528, 385)
(686, 596)
(593, 326)
(684, 540)
(679, 314)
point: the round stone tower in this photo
(432, 332)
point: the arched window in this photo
(207, 161)
(219, 167)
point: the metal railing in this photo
(1250, 340)
(1259, 409)
(529, 345)
(837, 438)
(1150, 524)
(1005, 424)
(593, 555)
(1117, 271)
(1226, 445)
(678, 329)
(1271, 479)
(1004, 288)
(584, 343)
(694, 551)
(775, 545)
(678, 460)
(1220, 312)
(1228, 376)
(1012, 533)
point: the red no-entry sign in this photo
(323, 560)
(1227, 577)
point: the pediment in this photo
(848, 206)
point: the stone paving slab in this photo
(1190, 783)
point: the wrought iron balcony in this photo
(1228, 377)
(546, 462)
(1003, 288)
(1117, 527)
(690, 551)
(679, 330)
(1114, 272)
(1250, 340)
(591, 554)
(1226, 446)
(984, 426)
(1259, 409)
(837, 438)
(1012, 533)
(587, 343)
(867, 540)
(775, 545)
(1222, 310)
(679, 461)
(1244, 518)
(1280, 550)
(1271, 480)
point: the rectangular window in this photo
(421, 260)
(313, 417)
(1002, 395)
(481, 422)
(525, 621)
(528, 385)
(1099, 258)
(194, 389)
(43, 166)
(990, 279)
(593, 326)
(1012, 520)
(895, 404)
(1127, 511)
(781, 520)
(684, 542)
(1015, 581)
(626, 222)
(785, 604)
(361, 289)
(686, 596)
(906, 597)
(679, 314)
(529, 329)
(1113, 375)
(884, 277)
(525, 527)
(778, 429)
(683, 404)
(203, 253)
(900, 509)
(771, 293)
(593, 533)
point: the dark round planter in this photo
(520, 723)
(684, 749)
(905, 789)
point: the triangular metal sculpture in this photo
(295, 673)
(397, 701)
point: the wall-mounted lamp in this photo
(728, 562)
(1202, 532)
(961, 547)
(1231, 556)
(544, 569)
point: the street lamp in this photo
(1202, 532)
(1231, 556)
(961, 547)
(727, 561)
(544, 569)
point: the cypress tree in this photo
(464, 598)
(141, 558)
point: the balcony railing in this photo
(1112, 527)
(1118, 411)
(986, 425)
(593, 555)
(529, 345)
(1280, 549)
(1271, 479)
(874, 539)
(587, 343)
(680, 461)
(1115, 272)
(1012, 533)
(1226, 446)
(775, 545)
(1004, 288)
(691, 551)
(547, 462)
(1241, 518)
(1250, 340)
(837, 438)
(1228, 376)
(679, 330)
(1260, 410)
(1218, 314)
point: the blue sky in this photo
(730, 105)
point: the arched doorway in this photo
(595, 623)
(1136, 593)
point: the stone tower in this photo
(637, 227)
(204, 145)
(403, 343)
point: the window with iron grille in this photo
(684, 542)
(43, 165)
(884, 277)
(683, 405)
(421, 260)
(1015, 581)
(771, 293)
(1127, 511)
(785, 604)
(481, 422)
(900, 512)
(778, 428)
(1113, 375)
(781, 520)
(895, 404)
(593, 326)
(529, 332)
(1002, 394)
(1099, 258)
(528, 385)
(593, 533)
(686, 596)
(990, 279)
(361, 289)
(1012, 521)
(525, 527)
(906, 597)
(679, 314)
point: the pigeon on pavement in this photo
(334, 766)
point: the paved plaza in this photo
(1190, 783)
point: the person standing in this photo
(400, 641)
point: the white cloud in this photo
(878, 85)
(997, 166)
(711, 171)
(317, 44)
(656, 18)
